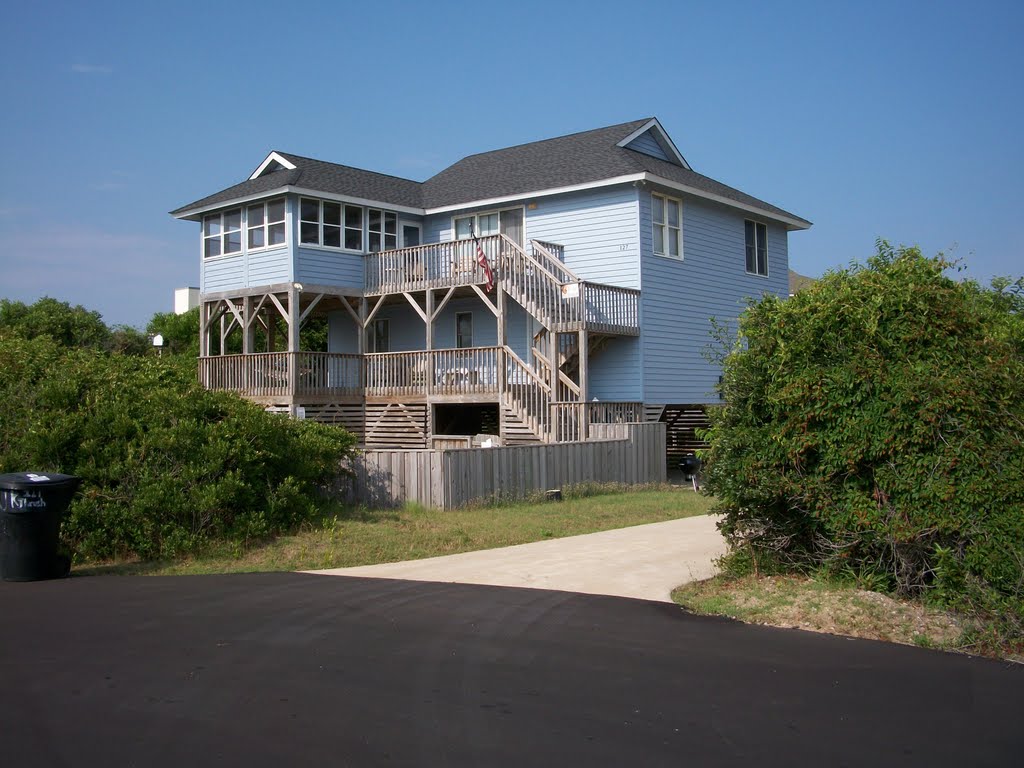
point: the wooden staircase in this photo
(557, 299)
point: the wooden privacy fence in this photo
(630, 454)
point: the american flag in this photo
(485, 265)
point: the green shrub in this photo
(875, 423)
(166, 465)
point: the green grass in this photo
(360, 536)
(820, 604)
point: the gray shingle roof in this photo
(578, 158)
(320, 176)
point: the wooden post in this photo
(271, 329)
(502, 338)
(204, 329)
(293, 343)
(584, 364)
(248, 331)
(430, 319)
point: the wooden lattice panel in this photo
(396, 425)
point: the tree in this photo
(69, 326)
(874, 423)
(180, 332)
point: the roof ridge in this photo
(343, 165)
(636, 123)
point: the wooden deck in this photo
(538, 280)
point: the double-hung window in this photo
(757, 247)
(667, 219)
(382, 230)
(322, 222)
(265, 224)
(481, 225)
(222, 233)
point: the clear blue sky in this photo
(894, 119)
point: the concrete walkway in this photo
(645, 561)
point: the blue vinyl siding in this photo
(437, 228)
(485, 324)
(598, 229)
(324, 267)
(614, 370)
(647, 144)
(342, 333)
(269, 267)
(517, 329)
(224, 273)
(680, 297)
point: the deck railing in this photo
(609, 412)
(567, 421)
(268, 374)
(468, 371)
(438, 265)
(327, 373)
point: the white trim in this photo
(363, 201)
(196, 214)
(494, 201)
(329, 248)
(666, 141)
(791, 222)
(273, 157)
(788, 220)
(288, 189)
(402, 224)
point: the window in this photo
(463, 329)
(667, 218)
(322, 222)
(222, 233)
(757, 248)
(378, 338)
(265, 224)
(382, 229)
(481, 225)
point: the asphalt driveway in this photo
(291, 669)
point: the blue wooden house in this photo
(608, 255)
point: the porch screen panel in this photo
(512, 225)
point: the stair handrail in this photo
(531, 261)
(522, 364)
(556, 264)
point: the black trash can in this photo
(31, 507)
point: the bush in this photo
(166, 465)
(874, 424)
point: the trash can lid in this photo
(20, 481)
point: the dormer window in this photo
(222, 233)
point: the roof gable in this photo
(652, 139)
(275, 162)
